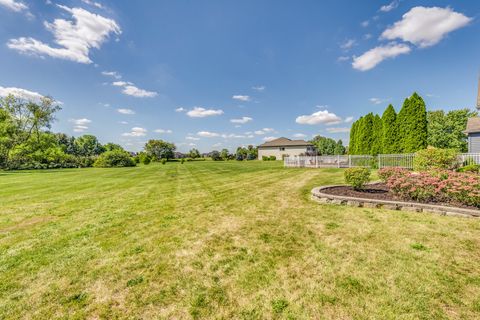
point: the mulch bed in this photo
(379, 191)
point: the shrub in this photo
(357, 177)
(265, 158)
(470, 168)
(239, 157)
(415, 186)
(385, 173)
(114, 158)
(445, 186)
(251, 156)
(182, 160)
(273, 158)
(146, 160)
(163, 161)
(434, 158)
(461, 186)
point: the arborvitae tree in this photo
(402, 124)
(351, 144)
(365, 136)
(376, 146)
(389, 137)
(415, 126)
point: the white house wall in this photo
(275, 151)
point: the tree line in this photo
(409, 130)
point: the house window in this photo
(282, 148)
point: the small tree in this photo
(224, 154)
(159, 149)
(389, 130)
(215, 155)
(194, 153)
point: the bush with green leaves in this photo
(435, 159)
(357, 177)
(265, 158)
(114, 158)
(273, 158)
(470, 168)
(163, 161)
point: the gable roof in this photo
(284, 142)
(473, 125)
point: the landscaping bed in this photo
(380, 191)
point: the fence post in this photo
(349, 161)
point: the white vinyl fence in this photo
(382, 160)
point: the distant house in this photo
(285, 147)
(473, 132)
(473, 129)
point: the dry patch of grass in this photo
(223, 240)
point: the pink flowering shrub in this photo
(461, 186)
(387, 172)
(444, 186)
(414, 186)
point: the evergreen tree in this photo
(377, 136)
(402, 124)
(416, 129)
(365, 134)
(389, 134)
(351, 143)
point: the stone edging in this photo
(319, 196)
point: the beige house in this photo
(284, 147)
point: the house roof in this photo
(473, 125)
(284, 142)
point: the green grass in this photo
(223, 240)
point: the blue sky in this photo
(220, 74)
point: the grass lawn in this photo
(224, 240)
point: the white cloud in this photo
(322, 116)
(242, 120)
(343, 58)
(20, 93)
(263, 131)
(163, 131)
(367, 36)
(348, 119)
(136, 132)
(389, 7)
(374, 56)
(80, 125)
(130, 89)
(93, 3)
(74, 38)
(180, 109)
(207, 134)
(338, 130)
(377, 100)
(123, 122)
(125, 111)
(192, 138)
(199, 112)
(259, 88)
(425, 27)
(14, 5)
(348, 44)
(235, 136)
(365, 23)
(299, 135)
(241, 98)
(113, 74)
(269, 138)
